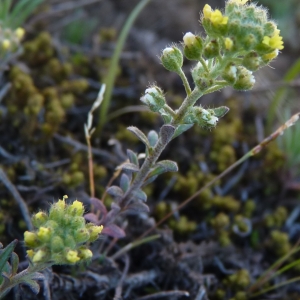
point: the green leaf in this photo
(163, 167)
(124, 183)
(152, 138)
(220, 111)
(14, 261)
(5, 254)
(132, 157)
(166, 133)
(181, 129)
(140, 135)
(128, 167)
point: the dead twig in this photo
(18, 198)
(119, 287)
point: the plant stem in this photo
(185, 82)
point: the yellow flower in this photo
(30, 239)
(72, 256)
(86, 253)
(207, 11)
(39, 256)
(270, 56)
(19, 33)
(228, 43)
(30, 253)
(5, 44)
(215, 16)
(274, 41)
(44, 233)
(77, 206)
(61, 204)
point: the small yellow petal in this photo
(228, 43)
(72, 256)
(207, 11)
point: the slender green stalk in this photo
(203, 62)
(185, 82)
(112, 73)
(274, 287)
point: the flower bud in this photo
(154, 98)
(81, 235)
(30, 239)
(193, 46)
(270, 56)
(229, 73)
(204, 118)
(72, 256)
(252, 61)
(6, 44)
(39, 219)
(19, 33)
(44, 234)
(245, 79)
(39, 256)
(94, 232)
(85, 253)
(57, 244)
(76, 208)
(212, 49)
(172, 59)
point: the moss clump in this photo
(279, 243)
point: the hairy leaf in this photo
(115, 191)
(33, 285)
(132, 157)
(128, 167)
(114, 231)
(137, 207)
(152, 138)
(166, 133)
(4, 256)
(181, 129)
(98, 205)
(163, 167)
(140, 195)
(14, 261)
(124, 183)
(149, 180)
(141, 136)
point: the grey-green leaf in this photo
(128, 167)
(163, 167)
(140, 135)
(124, 183)
(149, 180)
(140, 195)
(132, 157)
(5, 254)
(14, 261)
(137, 207)
(33, 285)
(166, 133)
(115, 191)
(152, 138)
(220, 111)
(181, 129)
(166, 117)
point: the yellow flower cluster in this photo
(215, 16)
(274, 41)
